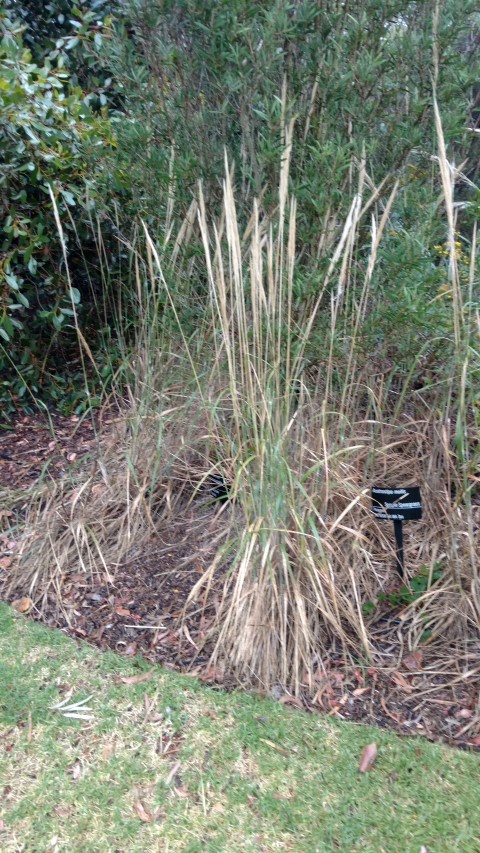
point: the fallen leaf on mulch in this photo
(464, 714)
(5, 563)
(336, 677)
(413, 662)
(107, 750)
(189, 638)
(134, 679)
(359, 691)
(142, 812)
(173, 772)
(182, 791)
(367, 757)
(392, 714)
(63, 811)
(402, 682)
(212, 673)
(359, 676)
(292, 700)
(23, 605)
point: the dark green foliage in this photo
(68, 35)
(198, 79)
(49, 140)
(204, 76)
(419, 584)
(46, 24)
(186, 81)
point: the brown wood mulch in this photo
(29, 445)
(143, 612)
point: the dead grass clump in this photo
(316, 555)
(90, 521)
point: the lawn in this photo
(168, 764)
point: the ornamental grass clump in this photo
(298, 444)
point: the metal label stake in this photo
(398, 530)
(399, 505)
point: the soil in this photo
(143, 611)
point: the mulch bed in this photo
(30, 445)
(143, 612)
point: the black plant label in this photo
(400, 504)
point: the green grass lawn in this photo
(167, 764)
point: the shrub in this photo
(196, 79)
(49, 138)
